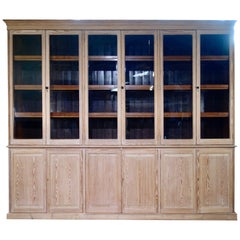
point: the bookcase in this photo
(113, 119)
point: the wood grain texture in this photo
(65, 180)
(140, 181)
(178, 180)
(28, 180)
(215, 180)
(121, 178)
(103, 181)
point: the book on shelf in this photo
(103, 77)
(140, 77)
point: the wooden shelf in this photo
(102, 58)
(140, 87)
(214, 87)
(215, 58)
(27, 87)
(64, 58)
(177, 114)
(28, 114)
(214, 114)
(139, 58)
(102, 87)
(64, 115)
(178, 87)
(27, 58)
(102, 115)
(65, 87)
(177, 58)
(139, 114)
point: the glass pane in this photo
(139, 73)
(214, 44)
(139, 80)
(214, 101)
(140, 128)
(214, 86)
(178, 128)
(177, 101)
(64, 101)
(27, 72)
(140, 101)
(102, 101)
(64, 72)
(214, 127)
(28, 128)
(27, 85)
(177, 72)
(64, 128)
(139, 45)
(64, 86)
(103, 128)
(27, 101)
(177, 45)
(102, 45)
(64, 45)
(27, 45)
(214, 72)
(177, 50)
(103, 89)
(102, 73)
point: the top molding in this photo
(119, 24)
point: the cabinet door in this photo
(103, 89)
(215, 180)
(139, 88)
(139, 181)
(65, 180)
(178, 87)
(27, 180)
(103, 181)
(26, 96)
(216, 88)
(178, 181)
(64, 86)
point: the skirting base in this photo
(200, 216)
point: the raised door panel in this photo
(103, 181)
(65, 180)
(28, 180)
(140, 181)
(215, 180)
(178, 181)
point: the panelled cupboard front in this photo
(121, 119)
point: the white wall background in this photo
(110, 9)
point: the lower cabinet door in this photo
(27, 180)
(216, 174)
(65, 186)
(103, 181)
(140, 181)
(178, 181)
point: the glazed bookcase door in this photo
(139, 85)
(216, 87)
(103, 88)
(64, 86)
(178, 87)
(26, 81)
